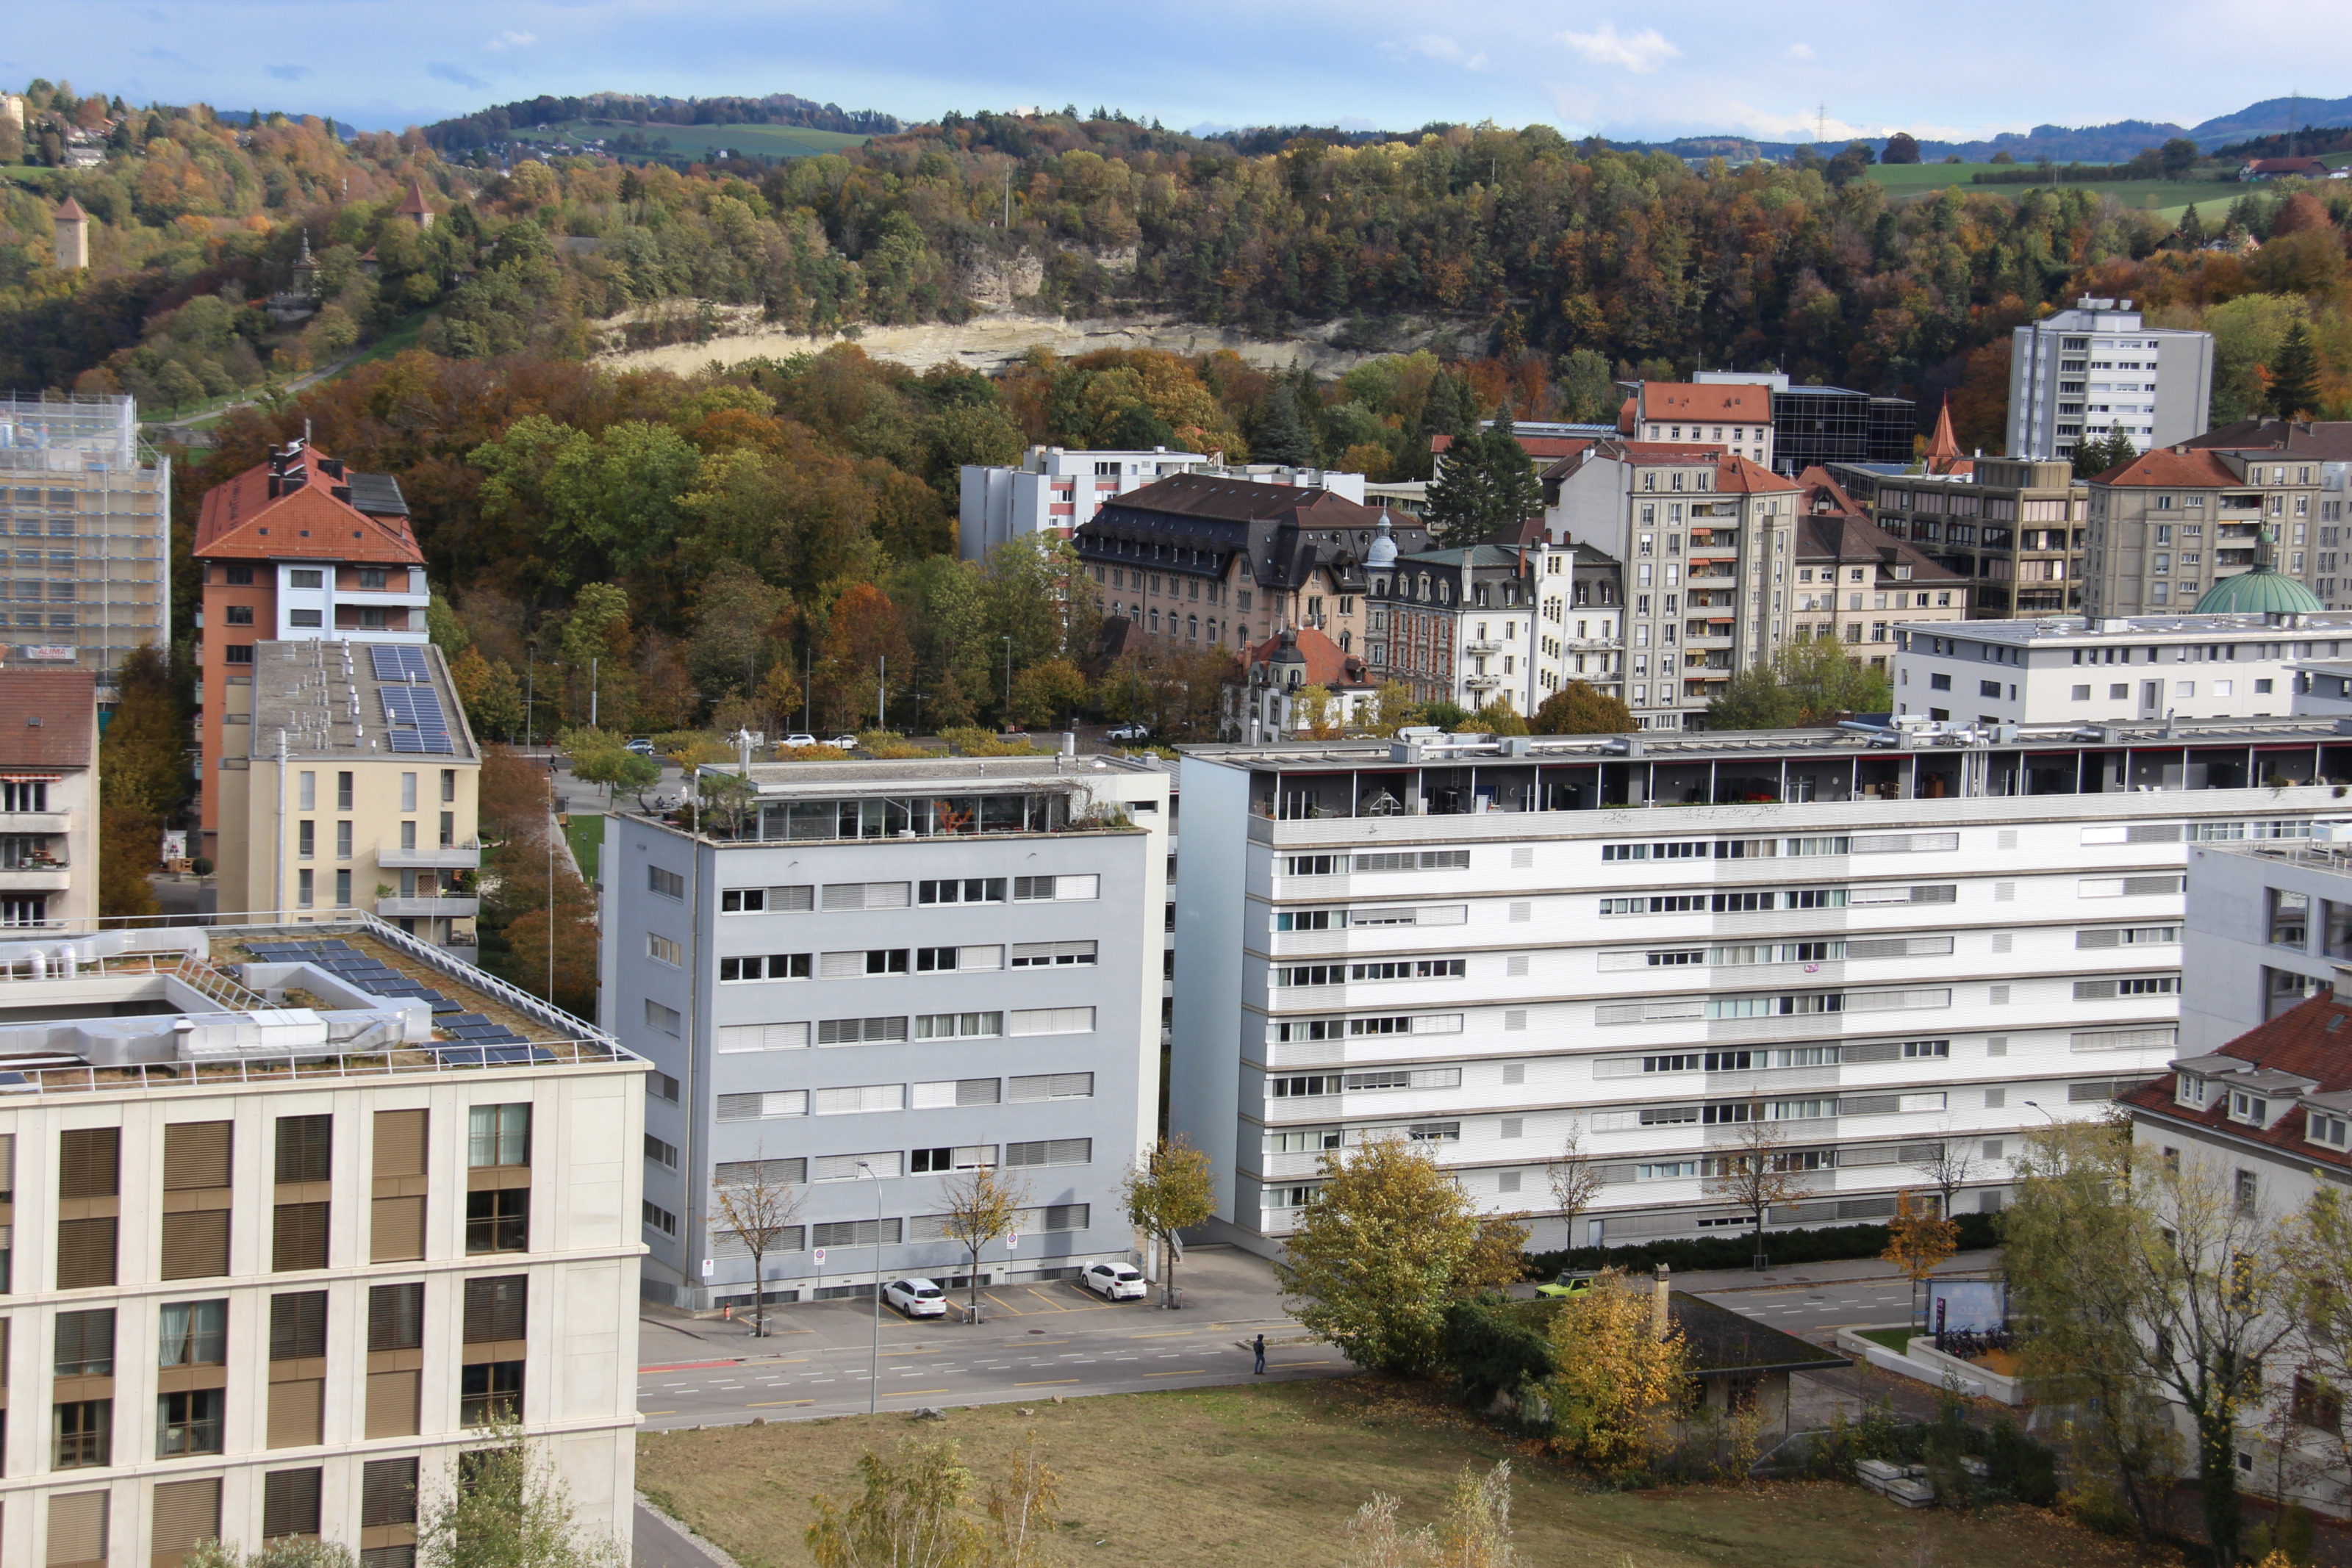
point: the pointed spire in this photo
(1943, 449)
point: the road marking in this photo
(687, 1365)
(907, 1393)
(660, 1411)
(764, 1404)
(1168, 1333)
(1045, 1342)
(1044, 1382)
(1182, 1372)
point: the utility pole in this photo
(592, 693)
(1008, 680)
(881, 692)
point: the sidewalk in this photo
(1221, 1285)
(1719, 1281)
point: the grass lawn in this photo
(1896, 1340)
(401, 337)
(587, 836)
(697, 141)
(1219, 1476)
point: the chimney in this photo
(1661, 1319)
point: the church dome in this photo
(1382, 551)
(2264, 591)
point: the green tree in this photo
(1171, 1188)
(1582, 709)
(1901, 148)
(1486, 484)
(490, 694)
(1754, 699)
(1389, 1240)
(1587, 388)
(509, 1508)
(285, 1551)
(736, 617)
(2294, 390)
(1282, 435)
(1828, 684)
(979, 1206)
(1498, 717)
(618, 769)
(2094, 454)
(142, 778)
(2179, 156)
(1043, 692)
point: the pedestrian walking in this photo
(1260, 1347)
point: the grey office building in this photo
(878, 975)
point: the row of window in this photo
(1043, 1219)
(1760, 900)
(1380, 861)
(1309, 1085)
(887, 960)
(187, 1514)
(1297, 975)
(1358, 1028)
(802, 898)
(941, 1093)
(889, 1165)
(1375, 915)
(1754, 849)
(1759, 1060)
(794, 1036)
(1734, 1113)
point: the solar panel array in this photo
(416, 720)
(345, 962)
(399, 662)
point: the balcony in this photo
(36, 822)
(427, 908)
(36, 879)
(1482, 646)
(437, 857)
(1482, 682)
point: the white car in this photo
(800, 740)
(846, 742)
(1115, 1282)
(916, 1298)
(1128, 732)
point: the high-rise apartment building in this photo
(348, 780)
(1883, 943)
(88, 516)
(296, 549)
(297, 1213)
(868, 979)
(49, 799)
(2084, 372)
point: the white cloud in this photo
(1640, 53)
(511, 40)
(1801, 51)
(1445, 51)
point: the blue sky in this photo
(1949, 71)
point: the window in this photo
(290, 1503)
(84, 1434)
(964, 889)
(865, 896)
(766, 900)
(1050, 1152)
(860, 1031)
(2314, 1405)
(238, 654)
(498, 1135)
(1052, 1020)
(668, 884)
(239, 615)
(490, 1392)
(85, 1344)
(660, 1152)
(194, 1333)
(188, 1422)
(305, 577)
(959, 1026)
(1051, 955)
(1051, 1086)
(239, 577)
(662, 950)
(857, 1100)
(1060, 889)
(499, 1220)
(766, 967)
(947, 1092)
(755, 1107)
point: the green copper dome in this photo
(2264, 591)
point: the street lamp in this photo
(2039, 1106)
(874, 1371)
(1008, 682)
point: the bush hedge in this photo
(1822, 1246)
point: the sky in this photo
(1664, 70)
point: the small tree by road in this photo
(981, 1205)
(1170, 1189)
(1753, 1173)
(1948, 1167)
(755, 1201)
(1575, 1179)
(1918, 1239)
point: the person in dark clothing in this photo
(1260, 1348)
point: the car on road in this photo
(846, 742)
(1115, 1282)
(917, 1297)
(1572, 1282)
(798, 740)
(1128, 732)
(643, 746)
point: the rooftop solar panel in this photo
(399, 662)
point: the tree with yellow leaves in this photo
(1618, 1376)
(1918, 1238)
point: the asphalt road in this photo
(1038, 1346)
(1831, 1304)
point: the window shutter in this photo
(195, 1244)
(396, 1229)
(297, 1325)
(299, 1236)
(400, 1142)
(496, 1308)
(290, 1503)
(77, 1528)
(396, 1317)
(388, 1493)
(185, 1514)
(196, 1155)
(391, 1406)
(85, 1253)
(295, 1420)
(7, 1167)
(305, 1147)
(89, 1159)
(85, 1343)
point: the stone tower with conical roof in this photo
(72, 236)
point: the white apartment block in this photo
(2062, 670)
(2083, 372)
(880, 975)
(267, 1270)
(2270, 924)
(1884, 941)
(1056, 490)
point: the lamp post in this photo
(1008, 680)
(2040, 1107)
(874, 1371)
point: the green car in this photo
(1572, 1282)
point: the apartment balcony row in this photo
(13, 822)
(420, 907)
(429, 857)
(29, 878)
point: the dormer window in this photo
(2324, 1128)
(2190, 1091)
(2247, 1107)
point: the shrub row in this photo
(1682, 1255)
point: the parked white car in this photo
(800, 740)
(846, 742)
(916, 1298)
(1115, 1282)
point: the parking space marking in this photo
(1182, 1372)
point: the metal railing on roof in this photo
(212, 1077)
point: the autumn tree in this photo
(536, 912)
(1918, 1239)
(1575, 1178)
(142, 777)
(509, 1508)
(979, 1206)
(1388, 1241)
(1755, 1172)
(1044, 692)
(1582, 709)
(863, 638)
(755, 1201)
(1614, 1374)
(1171, 1188)
(490, 694)
(1949, 1164)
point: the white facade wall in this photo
(2083, 371)
(2268, 926)
(2109, 672)
(1057, 490)
(1976, 909)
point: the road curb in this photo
(710, 1549)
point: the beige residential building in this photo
(268, 1269)
(49, 799)
(87, 506)
(2015, 528)
(1859, 585)
(355, 786)
(2175, 520)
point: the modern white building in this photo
(2062, 670)
(1889, 943)
(2083, 372)
(2270, 923)
(297, 1212)
(1056, 490)
(876, 975)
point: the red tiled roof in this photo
(1542, 448)
(1735, 475)
(413, 203)
(1326, 664)
(2286, 165)
(71, 209)
(1744, 403)
(1943, 449)
(2194, 469)
(2312, 1041)
(241, 520)
(1818, 486)
(65, 701)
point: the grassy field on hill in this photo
(697, 141)
(1245, 1476)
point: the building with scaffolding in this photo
(87, 508)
